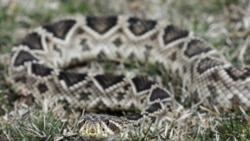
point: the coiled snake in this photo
(38, 65)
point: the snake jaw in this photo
(91, 129)
(96, 126)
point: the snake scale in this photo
(39, 60)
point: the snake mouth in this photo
(93, 131)
(96, 126)
(90, 132)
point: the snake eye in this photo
(80, 123)
(106, 122)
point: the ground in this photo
(223, 23)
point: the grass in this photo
(43, 126)
(220, 22)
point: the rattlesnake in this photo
(39, 61)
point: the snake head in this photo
(98, 126)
